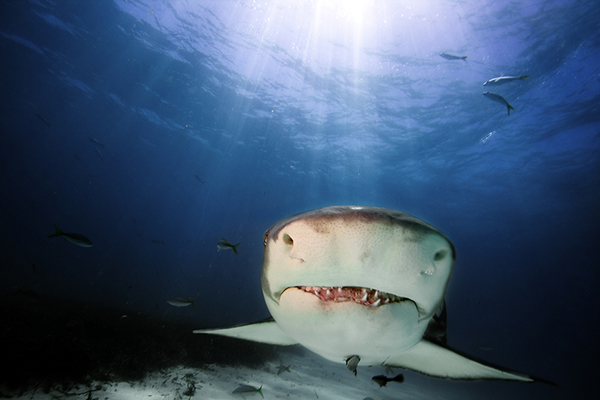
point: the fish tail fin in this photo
(398, 378)
(464, 59)
(524, 77)
(234, 247)
(259, 390)
(57, 233)
(510, 108)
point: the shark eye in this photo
(287, 239)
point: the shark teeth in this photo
(364, 296)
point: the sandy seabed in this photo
(310, 377)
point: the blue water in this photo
(219, 118)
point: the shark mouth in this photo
(363, 296)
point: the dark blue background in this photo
(179, 92)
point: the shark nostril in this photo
(287, 239)
(437, 259)
(440, 255)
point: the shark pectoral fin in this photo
(264, 332)
(431, 359)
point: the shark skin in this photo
(347, 281)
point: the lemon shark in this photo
(362, 285)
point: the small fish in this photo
(382, 380)
(453, 57)
(199, 180)
(99, 152)
(43, 119)
(249, 389)
(96, 142)
(183, 301)
(504, 79)
(352, 363)
(283, 368)
(147, 142)
(75, 238)
(498, 99)
(225, 245)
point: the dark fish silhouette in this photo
(382, 380)
(224, 244)
(453, 57)
(75, 238)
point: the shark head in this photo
(338, 277)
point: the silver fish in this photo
(453, 57)
(224, 244)
(75, 238)
(183, 301)
(498, 99)
(249, 389)
(504, 79)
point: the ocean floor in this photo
(308, 379)
(55, 349)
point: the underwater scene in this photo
(319, 199)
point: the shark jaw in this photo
(363, 296)
(337, 324)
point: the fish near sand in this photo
(224, 244)
(453, 57)
(501, 80)
(382, 380)
(498, 99)
(75, 238)
(364, 282)
(352, 363)
(245, 389)
(283, 368)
